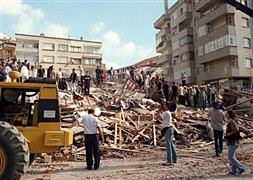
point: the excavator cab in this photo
(29, 124)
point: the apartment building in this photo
(223, 43)
(64, 53)
(175, 41)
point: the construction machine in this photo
(29, 124)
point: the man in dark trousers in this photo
(41, 72)
(73, 76)
(86, 79)
(91, 126)
(98, 72)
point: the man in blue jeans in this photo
(217, 118)
(233, 136)
(166, 117)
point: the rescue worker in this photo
(86, 79)
(91, 126)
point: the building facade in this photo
(177, 44)
(210, 41)
(64, 53)
(223, 39)
(7, 49)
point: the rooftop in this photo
(50, 37)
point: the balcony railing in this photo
(221, 10)
(205, 4)
(27, 49)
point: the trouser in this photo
(218, 141)
(171, 152)
(212, 98)
(182, 100)
(92, 150)
(208, 100)
(235, 164)
(86, 89)
(195, 101)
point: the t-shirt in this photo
(24, 71)
(231, 127)
(86, 79)
(181, 90)
(166, 118)
(217, 118)
(90, 123)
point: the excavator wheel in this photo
(14, 152)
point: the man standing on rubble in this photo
(168, 131)
(91, 126)
(86, 83)
(217, 118)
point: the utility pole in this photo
(166, 6)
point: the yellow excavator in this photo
(29, 124)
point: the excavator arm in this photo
(239, 6)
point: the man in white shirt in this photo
(33, 72)
(8, 70)
(166, 117)
(91, 126)
(24, 72)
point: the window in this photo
(209, 27)
(181, 11)
(48, 46)
(48, 59)
(232, 40)
(63, 60)
(245, 22)
(93, 50)
(175, 45)
(229, 20)
(248, 63)
(246, 42)
(63, 47)
(92, 61)
(202, 31)
(75, 49)
(76, 60)
(200, 50)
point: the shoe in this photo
(168, 164)
(89, 168)
(231, 173)
(241, 171)
(96, 168)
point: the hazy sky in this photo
(125, 27)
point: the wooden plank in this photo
(230, 107)
(115, 133)
(154, 134)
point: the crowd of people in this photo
(78, 81)
(198, 97)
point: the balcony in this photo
(218, 54)
(164, 46)
(184, 32)
(184, 48)
(219, 73)
(186, 16)
(219, 32)
(203, 5)
(164, 19)
(92, 55)
(164, 60)
(221, 10)
(27, 49)
(162, 32)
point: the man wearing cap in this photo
(91, 126)
(217, 118)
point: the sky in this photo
(125, 27)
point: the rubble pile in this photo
(130, 123)
(240, 102)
